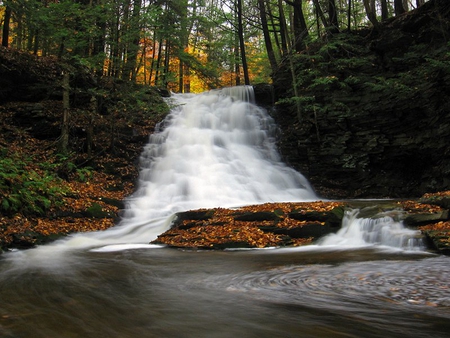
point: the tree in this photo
(132, 41)
(384, 10)
(399, 7)
(267, 38)
(63, 144)
(369, 5)
(300, 29)
(6, 22)
(334, 22)
(240, 32)
(319, 14)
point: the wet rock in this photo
(293, 224)
(426, 218)
(278, 224)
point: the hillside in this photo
(45, 194)
(373, 117)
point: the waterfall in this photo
(381, 230)
(216, 149)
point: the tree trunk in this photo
(369, 5)
(5, 33)
(90, 127)
(398, 7)
(334, 22)
(384, 10)
(242, 44)
(275, 28)
(320, 13)
(152, 63)
(133, 45)
(166, 64)
(267, 40)
(300, 28)
(283, 29)
(158, 62)
(63, 145)
(349, 15)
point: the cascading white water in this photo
(380, 230)
(216, 150)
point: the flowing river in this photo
(372, 279)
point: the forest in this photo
(184, 45)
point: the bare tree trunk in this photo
(349, 15)
(63, 145)
(300, 28)
(166, 64)
(5, 33)
(158, 62)
(320, 13)
(369, 5)
(152, 63)
(90, 127)
(267, 40)
(398, 7)
(334, 22)
(384, 10)
(242, 44)
(237, 68)
(283, 29)
(275, 29)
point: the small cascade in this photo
(380, 230)
(240, 93)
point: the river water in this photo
(372, 279)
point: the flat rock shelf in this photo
(301, 223)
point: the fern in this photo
(26, 190)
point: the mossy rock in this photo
(96, 211)
(438, 240)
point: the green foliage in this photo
(27, 190)
(393, 86)
(66, 167)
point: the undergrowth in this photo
(28, 187)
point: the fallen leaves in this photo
(83, 195)
(437, 194)
(439, 226)
(254, 226)
(416, 207)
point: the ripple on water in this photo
(404, 283)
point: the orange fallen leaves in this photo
(221, 229)
(238, 233)
(439, 226)
(82, 196)
(413, 206)
(437, 194)
(319, 206)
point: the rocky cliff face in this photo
(374, 109)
